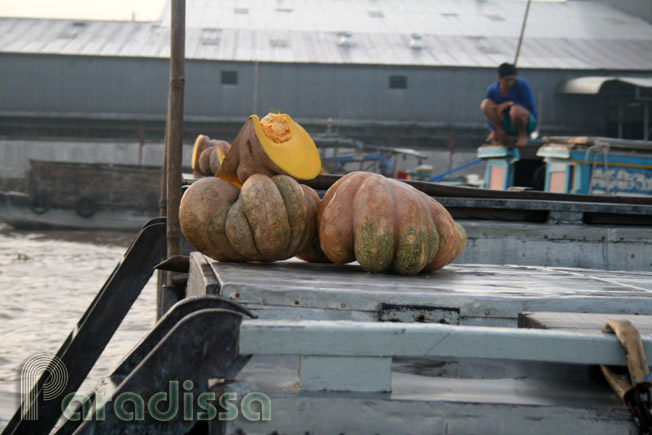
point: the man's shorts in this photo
(511, 129)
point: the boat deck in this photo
(431, 394)
(464, 294)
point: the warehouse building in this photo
(395, 73)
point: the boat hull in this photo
(17, 210)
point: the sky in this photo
(140, 10)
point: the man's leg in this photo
(490, 110)
(518, 115)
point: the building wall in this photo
(83, 86)
(435, 100)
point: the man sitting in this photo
(509, 107)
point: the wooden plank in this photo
(121, 187)
(201, 280)
(460, 397)
(374, 414)
(478, 291)
(584, 322)
(362, 374)
(633, 144)
(324, 181)
(367, 339)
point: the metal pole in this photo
(174, 146)
(620, 121)
(520, 39)
(162, 204)
(255, 111)
(646, 120)
(451, 149)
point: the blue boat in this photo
(576, 165)
(601, 166)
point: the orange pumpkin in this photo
(386, 224)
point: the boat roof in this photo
(593, 84)
(447, 33)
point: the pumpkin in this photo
(208, 154)
(312, 251)
(268, 219)
(273, 145)
(386, 224)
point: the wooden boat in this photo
(597, 165)
(327, 348)
(339, 350)
(83, 196)
(580, 165)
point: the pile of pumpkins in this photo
(250, 207)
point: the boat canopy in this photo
(592, 85)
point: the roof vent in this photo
(241, 11)
(284, 6)
(210, 36)
(494, 17)
(416, 41)
(279, 43)
(483, 45)
(376, 14)
(72, 30)
(344, 39)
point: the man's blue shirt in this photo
(521, 93)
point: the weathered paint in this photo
(483, 294)
(381, 340)
(349, 373)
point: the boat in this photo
(295, 347)
(597, 165)
(83, 196)
(341, 154)
(563, 164)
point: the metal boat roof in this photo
(447, 33)
(592, 85)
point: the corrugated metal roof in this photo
(463, 33)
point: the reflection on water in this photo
(47, 280)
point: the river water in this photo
(47, 280)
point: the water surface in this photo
(47, 281)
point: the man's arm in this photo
(526, 97)
(493, 95)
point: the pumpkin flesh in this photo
(274, 145)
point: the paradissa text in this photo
(164, 406)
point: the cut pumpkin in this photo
(271, 146)
(202, 143)
(208, 154)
